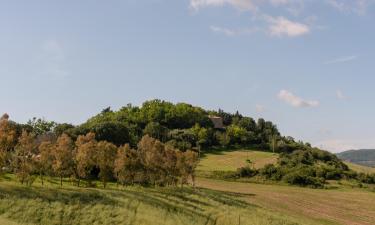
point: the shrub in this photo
(301, 179)
(247, 172)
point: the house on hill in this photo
(217, 121)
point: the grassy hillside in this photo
(232, 160)
(365, 157)
(130, 205)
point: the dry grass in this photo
(341, 206)
(232, 160)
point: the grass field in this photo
(231, 160)
(308, 206)
(131, 205)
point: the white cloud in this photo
(259, 108)
(243, 5)
(281, 26)
(233, 32)
(351, 6)
(295, 101)
(342, 59)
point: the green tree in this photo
(155, 130)
(41, 126)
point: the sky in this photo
(306, 65)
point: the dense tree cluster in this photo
(182, 125)
(30, 155)
(308, 167)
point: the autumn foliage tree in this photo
(8, 140)
(86, 152)
(24, 158)
(45, 159)
(63, 163)
(106, 156)
(127, 165)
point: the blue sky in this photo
(306, 65)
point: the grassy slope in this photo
(131, 205)
(231, 160)
(341, 206)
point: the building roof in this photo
(217, 121)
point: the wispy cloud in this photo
(342, 59)
(274, 26)
(233, 32)
(296, 101)
(243, 5)
(351, 6)
(281, 26)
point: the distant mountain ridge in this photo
(365, 157)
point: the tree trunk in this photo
(41, 178)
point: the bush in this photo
(247, 172)
(272, 172)
(301, 179)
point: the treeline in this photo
(308, 167)
(181, 125)
(32, 154)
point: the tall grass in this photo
(127, 205)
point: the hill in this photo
(359, 168)
(365, 157)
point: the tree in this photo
(8, 140)
(187, 162)
(114, 132)
(86, 156)
(41, 126)
(237, 135)
(62, 128)
(63, 163)
(106, 156)
(126, 165)
(201, 135)
(25, 158)
(45, 159)
(155, 130)
(151, 156)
